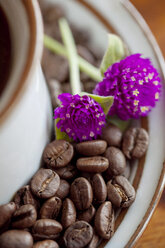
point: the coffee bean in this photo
(91, 148)
(66, 87)
(45, 183)
(81, 35)
(60, 71)
(24, 217)
(117, 161)
(68, 172)
(6, 212)
(68, 213)
(94, 241)
(51, 208)
(127, 170)
(96, 53)
(54, 90)
(104, 220)
(85, 53)
(88, 84)
(63, 190)
(120, 192)
(46, 229)
(112, 135)
(81, 193)
(16, 239)
(60, 241)
(87, 215)
(58, 154)
(135, 142)
(86, 175)
(78, 235)
(52, 13)
(24, 196)
(46, 244)
(99, 189)
(106, 176)
(95, 164)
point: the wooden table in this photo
(153, 12)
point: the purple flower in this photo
(135, 85)
(80, 117)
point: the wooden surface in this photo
(153, 12)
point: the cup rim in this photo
(34, 51)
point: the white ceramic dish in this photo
(148, 176)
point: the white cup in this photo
(25, 107)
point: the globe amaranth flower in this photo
(135, 85)
(81, 117)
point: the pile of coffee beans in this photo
(72, 201)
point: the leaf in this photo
(105, 101)
(123, 125)
(61, 135)
(114, 53)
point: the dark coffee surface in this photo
(5, 51)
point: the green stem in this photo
(85, 66)
(72, 56)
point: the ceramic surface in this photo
(148, 177)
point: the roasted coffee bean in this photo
(99, 189)
(63, 190)
(52, 13)
(68, 172)
(81, 35)
(16, 239)
(98, 55)
(86, 54)
(81, 193)
(55, 90)
(24, 196)
(127, 170)
(94, 242)
(120, 192)
(89, 86)
(45, 183)
(112, 135)
(78, 235)
(87, 215)
(54, 32)
(46, 229)
(66, 88)
(104, 220)
(95, 164)
(58, 154)
(84, 78)
(60, 241)
(91, 148)
(135, 142)
(86, 175)
(117, 161)
(24, 217)
(54, 66)
(106, 176)
(6, 212)
(51, 208)
(68, 213)
(46, 244)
